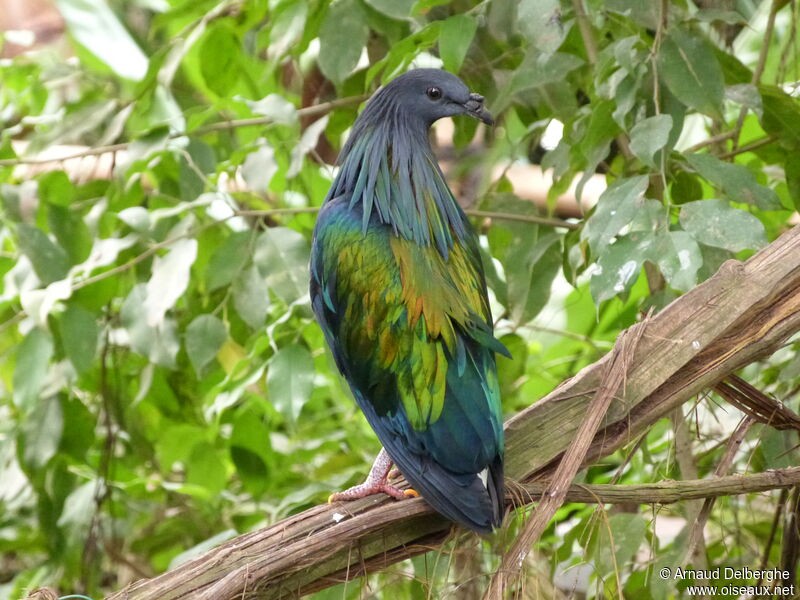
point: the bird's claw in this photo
(364, 490)
(376, 483)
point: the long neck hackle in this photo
(388, 168)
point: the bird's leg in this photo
(377, 482)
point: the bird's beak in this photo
(474, 106)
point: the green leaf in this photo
(618, 541)
(540, 21)
(531, 278)
(650, 136)
(541, 69)
(251, 468)
(219, 59)
(94, 25)
(204, 337)
(79, 511)
(781, 115)
(685, 187)
(792, 169)
(678, 257)
(260, 167)
(690, 69)
(56, 188)
(530, 255)
(342, 37)
(276, 107)
(281, 256)
(80, 423)
(776, 448)
(716, 223)
(169, 279)
(619, 266)
(288, 22)
(206, 470)
(397, 9)
(71, 231)
(290, 380)
(49, 261)
(596, 142)
(617, 206)
(198, 160)
(747, 95)
(308, 142)
(403, 52)
(33, 360)
(510, 370)
(455, 38)
(641, 13)
(737, 182)
(79, 335)
(502, 19)
(251, 297)
(248, 430)
(730, 17)
(228, 260)
(176, 443)
(250, 449)
(160, 343)
(625, 96)
(41, 432)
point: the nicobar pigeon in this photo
(398, 288)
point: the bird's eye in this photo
(434, 93)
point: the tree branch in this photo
(741, 314)
(669, 492)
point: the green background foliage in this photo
(163, 385)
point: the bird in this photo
(398, 288)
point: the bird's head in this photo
(431, 94)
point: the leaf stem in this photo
(759, 70)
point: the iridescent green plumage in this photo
(398, 288)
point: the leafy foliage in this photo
(163, 385)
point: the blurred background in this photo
(163, 386)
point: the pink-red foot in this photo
(363, 490)
(376, 483)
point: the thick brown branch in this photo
(738, 316)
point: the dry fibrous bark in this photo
(569, 465)
(741, 314)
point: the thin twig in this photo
(202, 130)
(714, 139)
(759, 70)
(574, 456)
(591, 52)
(776, 519)
(662, 26)
(503, 216)
(586, 30)
(723, 467)
(751, 146)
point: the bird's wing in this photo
(411, 331)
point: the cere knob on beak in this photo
(476, 108)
